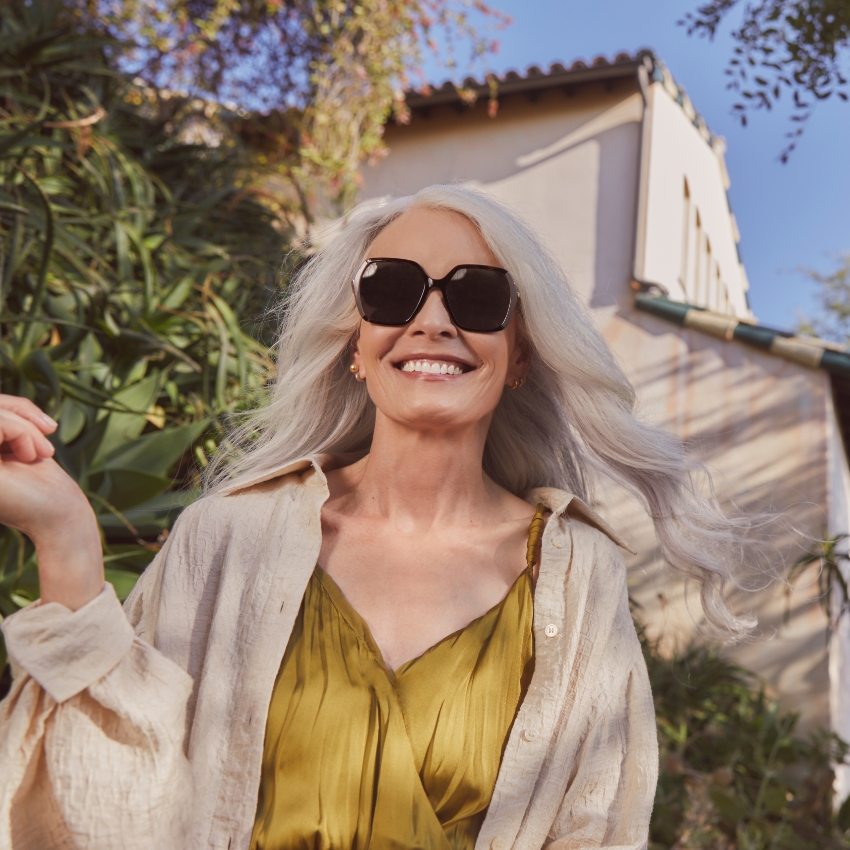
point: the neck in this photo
(423, 477)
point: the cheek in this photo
(374, 341)
(494, 350)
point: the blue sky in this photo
(790, 216)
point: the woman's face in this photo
(438, 240)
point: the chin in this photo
(428, 417)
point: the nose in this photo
(433, 319)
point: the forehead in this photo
(438, 240)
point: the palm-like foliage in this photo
(126, 257)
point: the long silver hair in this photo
(571, 424)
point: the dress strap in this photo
(535, 535)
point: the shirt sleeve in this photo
(92, 731)
(609, 802)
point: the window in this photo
(722, 295)
(686, 238)
(698, 266)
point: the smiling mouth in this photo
(433, 367)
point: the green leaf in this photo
(122, 252)
(154, 453)
(13, 208)
(72, 419)
(122, 580)
(46, 251)
(38, 367)
(178, 294)
(123, 427)
(236, 335)
(10, 142)
(21, 599)
(731, 807)
(150, 517)
(126, 488)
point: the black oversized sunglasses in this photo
(478, 298)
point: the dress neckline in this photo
(361, 628)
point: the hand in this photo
(40, 499)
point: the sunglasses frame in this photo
(440, 284)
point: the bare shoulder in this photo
(512, 507)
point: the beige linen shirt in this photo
(143, 727)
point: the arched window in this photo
(699, 248)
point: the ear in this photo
(354, 349)
(520, 359)
(524, 354)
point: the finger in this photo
(22, 448)
(28, 410)
(24, 440)
(28, 447)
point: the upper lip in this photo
(440, 358)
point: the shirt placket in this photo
(532, 732)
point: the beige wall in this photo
(762, 426)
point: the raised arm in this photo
(92, 732)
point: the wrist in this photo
(75, 525)
(70, 561)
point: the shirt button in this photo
(557, 541)
(551, 630)
(498, 843)
(530, 734)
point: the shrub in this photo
(733, 774)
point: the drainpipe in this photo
(638, 281)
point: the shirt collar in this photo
(561, 502)
(558, 501)
(317, 462)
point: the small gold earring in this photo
(353, 368)
(518, 383)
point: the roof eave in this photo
(800, 350)
(448, 93)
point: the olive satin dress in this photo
(360, 757)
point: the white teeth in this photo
(431, 368)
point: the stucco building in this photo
(628, 187)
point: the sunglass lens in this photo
(479, 299)
(390, 292)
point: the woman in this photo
(362, 636)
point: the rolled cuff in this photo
(67, 651)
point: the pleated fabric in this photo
(360, 757)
